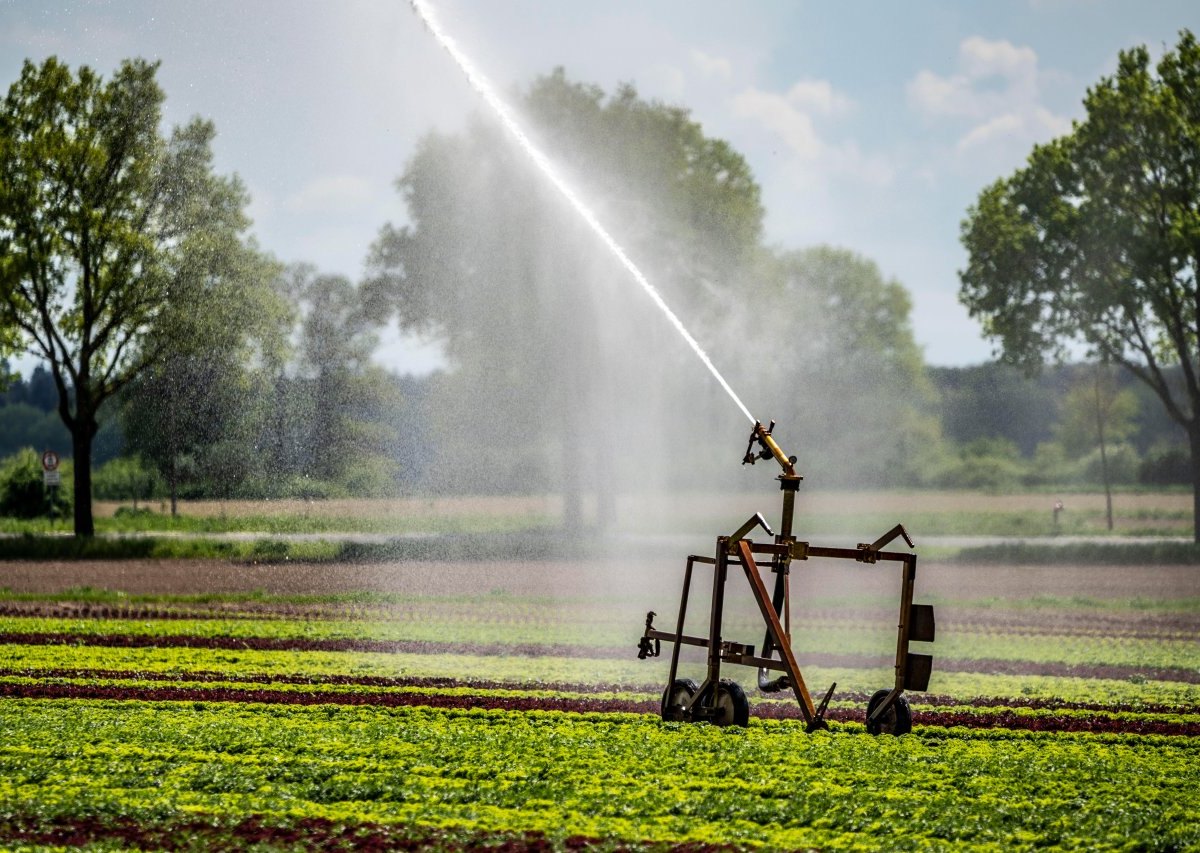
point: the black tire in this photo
(896, 720)
(731, 707)
(676, 698)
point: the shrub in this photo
(1165, 466)
(1123, 463)
(23, 493)
(127, 478)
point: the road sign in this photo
(49, 461)
(52, 478)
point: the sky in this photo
(871, 126)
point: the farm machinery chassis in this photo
(722, 701)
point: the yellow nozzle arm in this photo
(762, 435)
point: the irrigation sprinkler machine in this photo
(721, 700)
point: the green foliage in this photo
(127, 479)
(118, 246)
(1096, 409)
(989, 464)
(1165, 465)
(546, 333)
(1088, 553)
(1092, 242)
(23, 493)
(599, 775)
(849, 385)
(23, 425)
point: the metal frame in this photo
(916, 621)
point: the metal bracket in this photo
(818, 720)
(754, 521)
(648, 648)
(870, 552)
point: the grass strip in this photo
(1084, 553)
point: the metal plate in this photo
(916, 672)
(920, 623)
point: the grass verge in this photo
(1093, 553)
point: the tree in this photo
(350, 427)
(1096, 413)
(115, 242)
(1095, 243)
(840, 366)
(554, 354)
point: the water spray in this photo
(480, 83)
(720, 700)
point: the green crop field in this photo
(428, 711)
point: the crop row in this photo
(1151, 654)
(213, 833)
(614, 776)
(368, 683)
(186, 688)
(627, 673)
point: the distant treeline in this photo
(999, 429)
(998, 401)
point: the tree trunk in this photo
(1194, 442)
(1107, 486)
(1101, 412)
(81, 446)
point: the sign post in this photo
(51, 479)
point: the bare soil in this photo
(631, 580)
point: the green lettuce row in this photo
(1069, 650)
(605, 775)
(491, 695)
(632, 673)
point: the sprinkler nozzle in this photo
(768, 448)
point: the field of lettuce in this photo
(513, 713)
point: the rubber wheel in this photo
(676, 698)
(897, 720)
(732, 707)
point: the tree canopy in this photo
(544, 334)
(1095, 243)
(118, 246)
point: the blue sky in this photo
(869, 125)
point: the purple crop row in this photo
(1002, 718)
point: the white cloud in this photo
(995, 86)
(992, 77)
(792, 119)
(778, 115)
(819, 97)
(666, 81)
(712, 66)
(1038, 123)
(330, 194)
(981, 57)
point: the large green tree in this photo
(1095, 243)
(116, 243)
(554, 352)
(836, 359)
(348, 433)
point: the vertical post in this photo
(906, 594)
(683, 601)
(718, 607)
